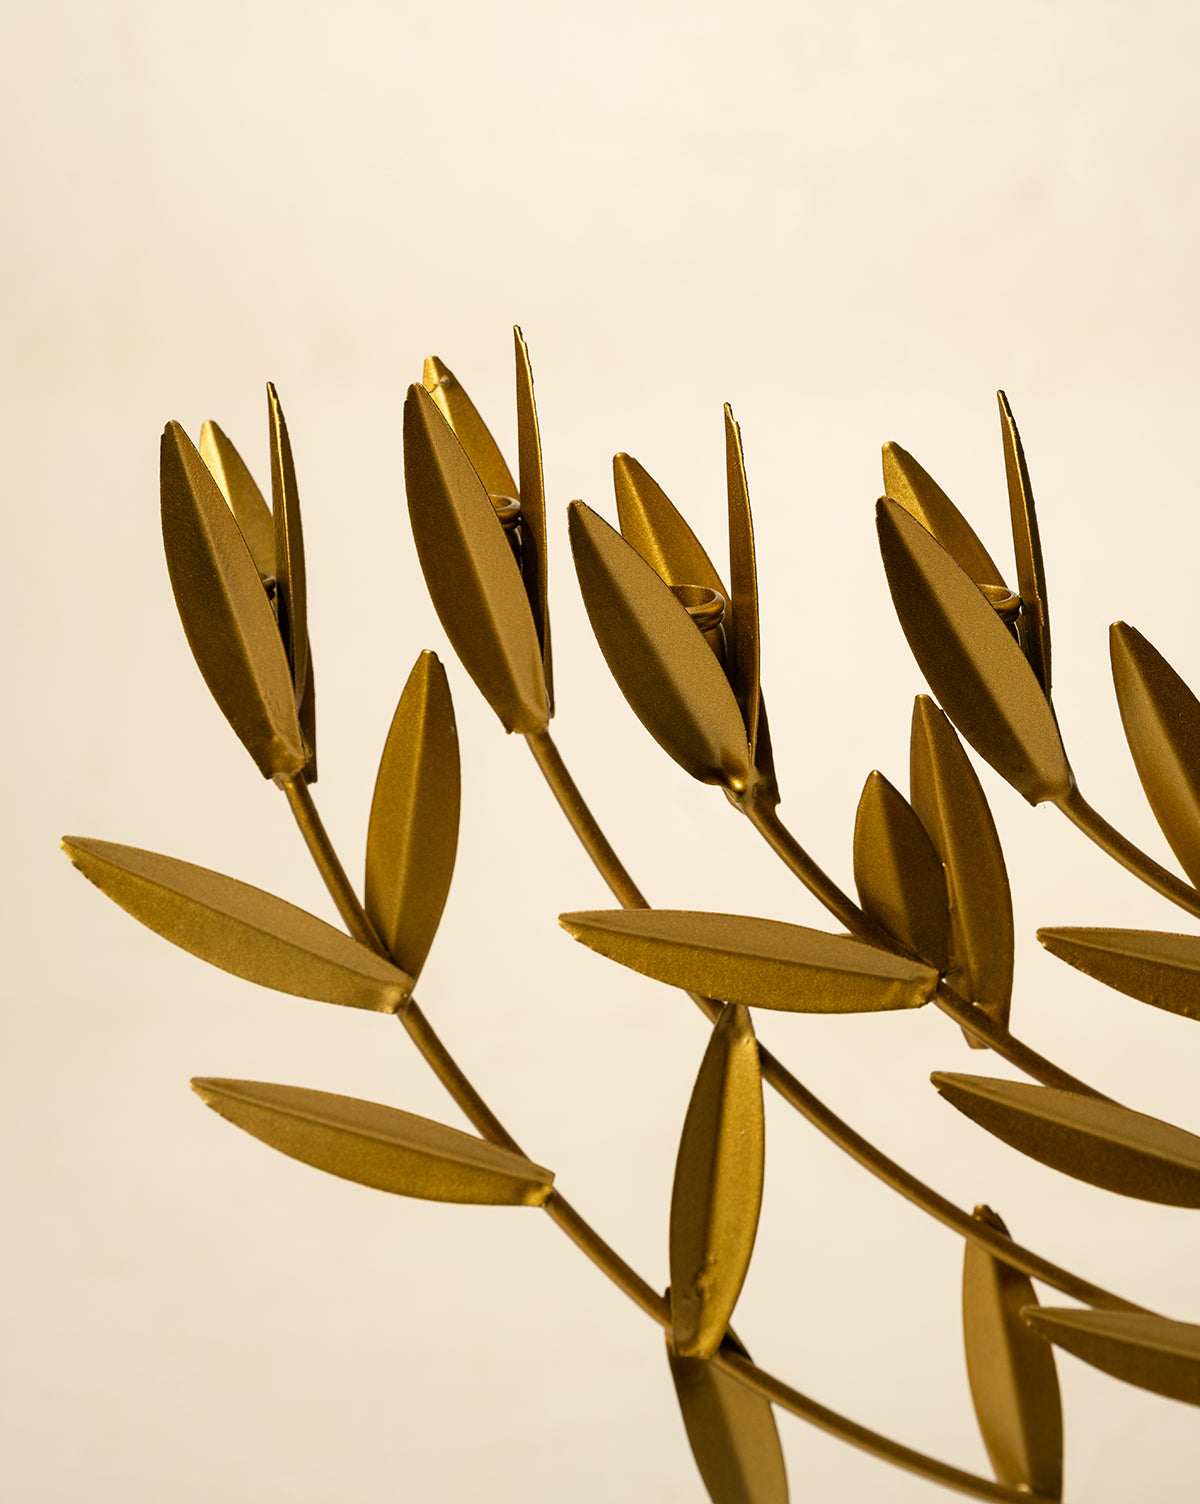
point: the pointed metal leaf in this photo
(413, 833)
(717, 1191)
(1096, 1141)
(1150, 1351)
(1156, 968)
(240, 929)
(1161, 717)
(657, 655)
(759, 962)
(533, 509)
(308, 721)
(950, 803)
(291, 590)
(473, 579)
(972, 664)
(242, 494)
(743, 584)
(1033, 624)
(226, 616)
(469, 428)
(731, 1430)
(898, 873)
(657, 530)
(1013, 1380)
(907, 482)
(377, 1146)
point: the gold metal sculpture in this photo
(933, 921)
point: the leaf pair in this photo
(493, 609)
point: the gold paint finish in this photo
(1093, 1140)
(412, 837)
(899, 876)
(972, 664)
(291, 590)
(1033, 624)
(378, 1146)
(1149, 1351)
(534, 556)
(240, 929)
(651, 523)
(1014, 1384)
(761, 963)
(1156, 968)
(469, 428)
(717, 1191)
(243, 496)
(743, 585)
(910, 484)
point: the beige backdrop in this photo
(853, 223)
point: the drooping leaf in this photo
(743, 584)
(662, 664)
(1014, 1385)
(469, 429)
(242, 494)
(972, 664)
(1149, 1351)
(898, 873)
(1033, 624)
(291, 590)
(239, 928)
(226, 615)
(473, 579)
(909, 483)
(652, 524)
(717, 1191)
(762, 963)
(413, 833)
(731, 1430)
(1156, 968)
(951, 805)
(378, 1146)
(534, 559)
(1093, 1140)
(1161, 717)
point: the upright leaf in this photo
(743, 584)
(651, 523)
(1091, 1139)
(1161, 717)
(973, 666)
(469, 429)
(534, 559)
(243, 496)
(291, 590)
(413, 833)
(239, 928)
(378, 1146)
(1160, 969)
(1149, 1351)
(1013, 1380)
(472, 577)
(759, 962)
(226, 616)
(898, 873)
(907, 482)
(1033, 624)
(717, 1191)
(308, 720)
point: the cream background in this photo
(853, 223)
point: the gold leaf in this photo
(743, 584)
(239, 928)
(413, 831)
(469, 569)
(1156, 968)
(950, 804)
(907, 482)
(717, 1191)
(651, 523)
(1161, 717)
(307, 711)
(226, 616)
(762, 963)
(378, 1146)
(731, 1430)
(534, 560)
(243, 496)
(898, 873)
(661, 662)
(1014, 1385)
(972, 664)
(291, 591)
(1033, 624)
(469, 428)
(1149, 1351)
(1096, 1141)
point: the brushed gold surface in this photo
(532, 493)
(1091, 1139)
(717, 1191)
(240, 929)
(1161, 717)
(1033, 624)
(377, 1146)
(909, 483)
(1014, 1383)
(469, 428)
(291, 587)
(973, 666)
(762, 963)
(1155, 967)
(743, 659)
(898, 873)
(226, 615)
(240, 490)
(412, 837)
(1150, 1351)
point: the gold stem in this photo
(320, 847)
(1132, 858)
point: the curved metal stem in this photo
(1131, 857)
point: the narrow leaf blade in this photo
(534, 558)
(240, 929)
(291, 588)
(241, 493)
(412, 837)
(377, 1146)
(1157, 968)
(717, 1191)
(909, 483)
(469, 429)
(898, 873)
(762, 963)
(1095, 1141)
(1033, 624)
(653, 525)
(743, 584)
(1150, 1351)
